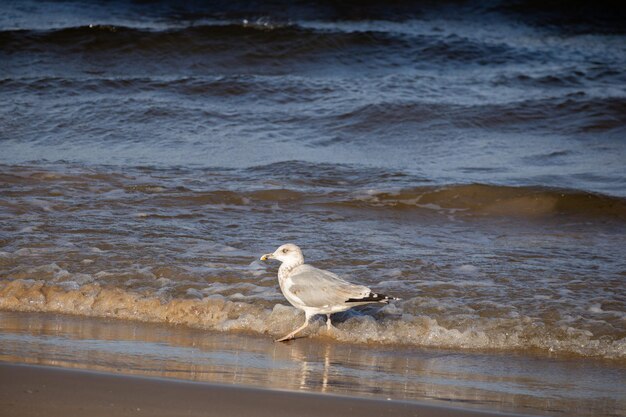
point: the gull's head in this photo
(288, 253)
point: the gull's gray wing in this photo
(319, 288)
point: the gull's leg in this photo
(329, 324)
(299, 329)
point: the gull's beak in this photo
(267, 256)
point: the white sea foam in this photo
(392, 325)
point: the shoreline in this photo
(28, 390)
(212, 314)
(499, 384)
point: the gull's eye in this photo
(285, 250)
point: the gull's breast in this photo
(285, 287)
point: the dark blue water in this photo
(500, 93)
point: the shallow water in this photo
(513, 383)
(477, 266)
(466, 158)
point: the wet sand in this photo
(521, 384)
(27, 390)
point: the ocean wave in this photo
(305, 184)
(251, 43)
(604, 16)
(329, 175)
(288, 89)
(573, 112)
(102, 37)
(461, 200)
(574, 77)
(492, 200)
(390, 326)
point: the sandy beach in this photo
(28, 391)
(95, 361)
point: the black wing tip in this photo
(373, 298)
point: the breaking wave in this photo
(480, 199)
(467, 200)
(393, 324)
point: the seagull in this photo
(316, 291)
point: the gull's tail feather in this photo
(372, 298)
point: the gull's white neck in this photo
(288, 266)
